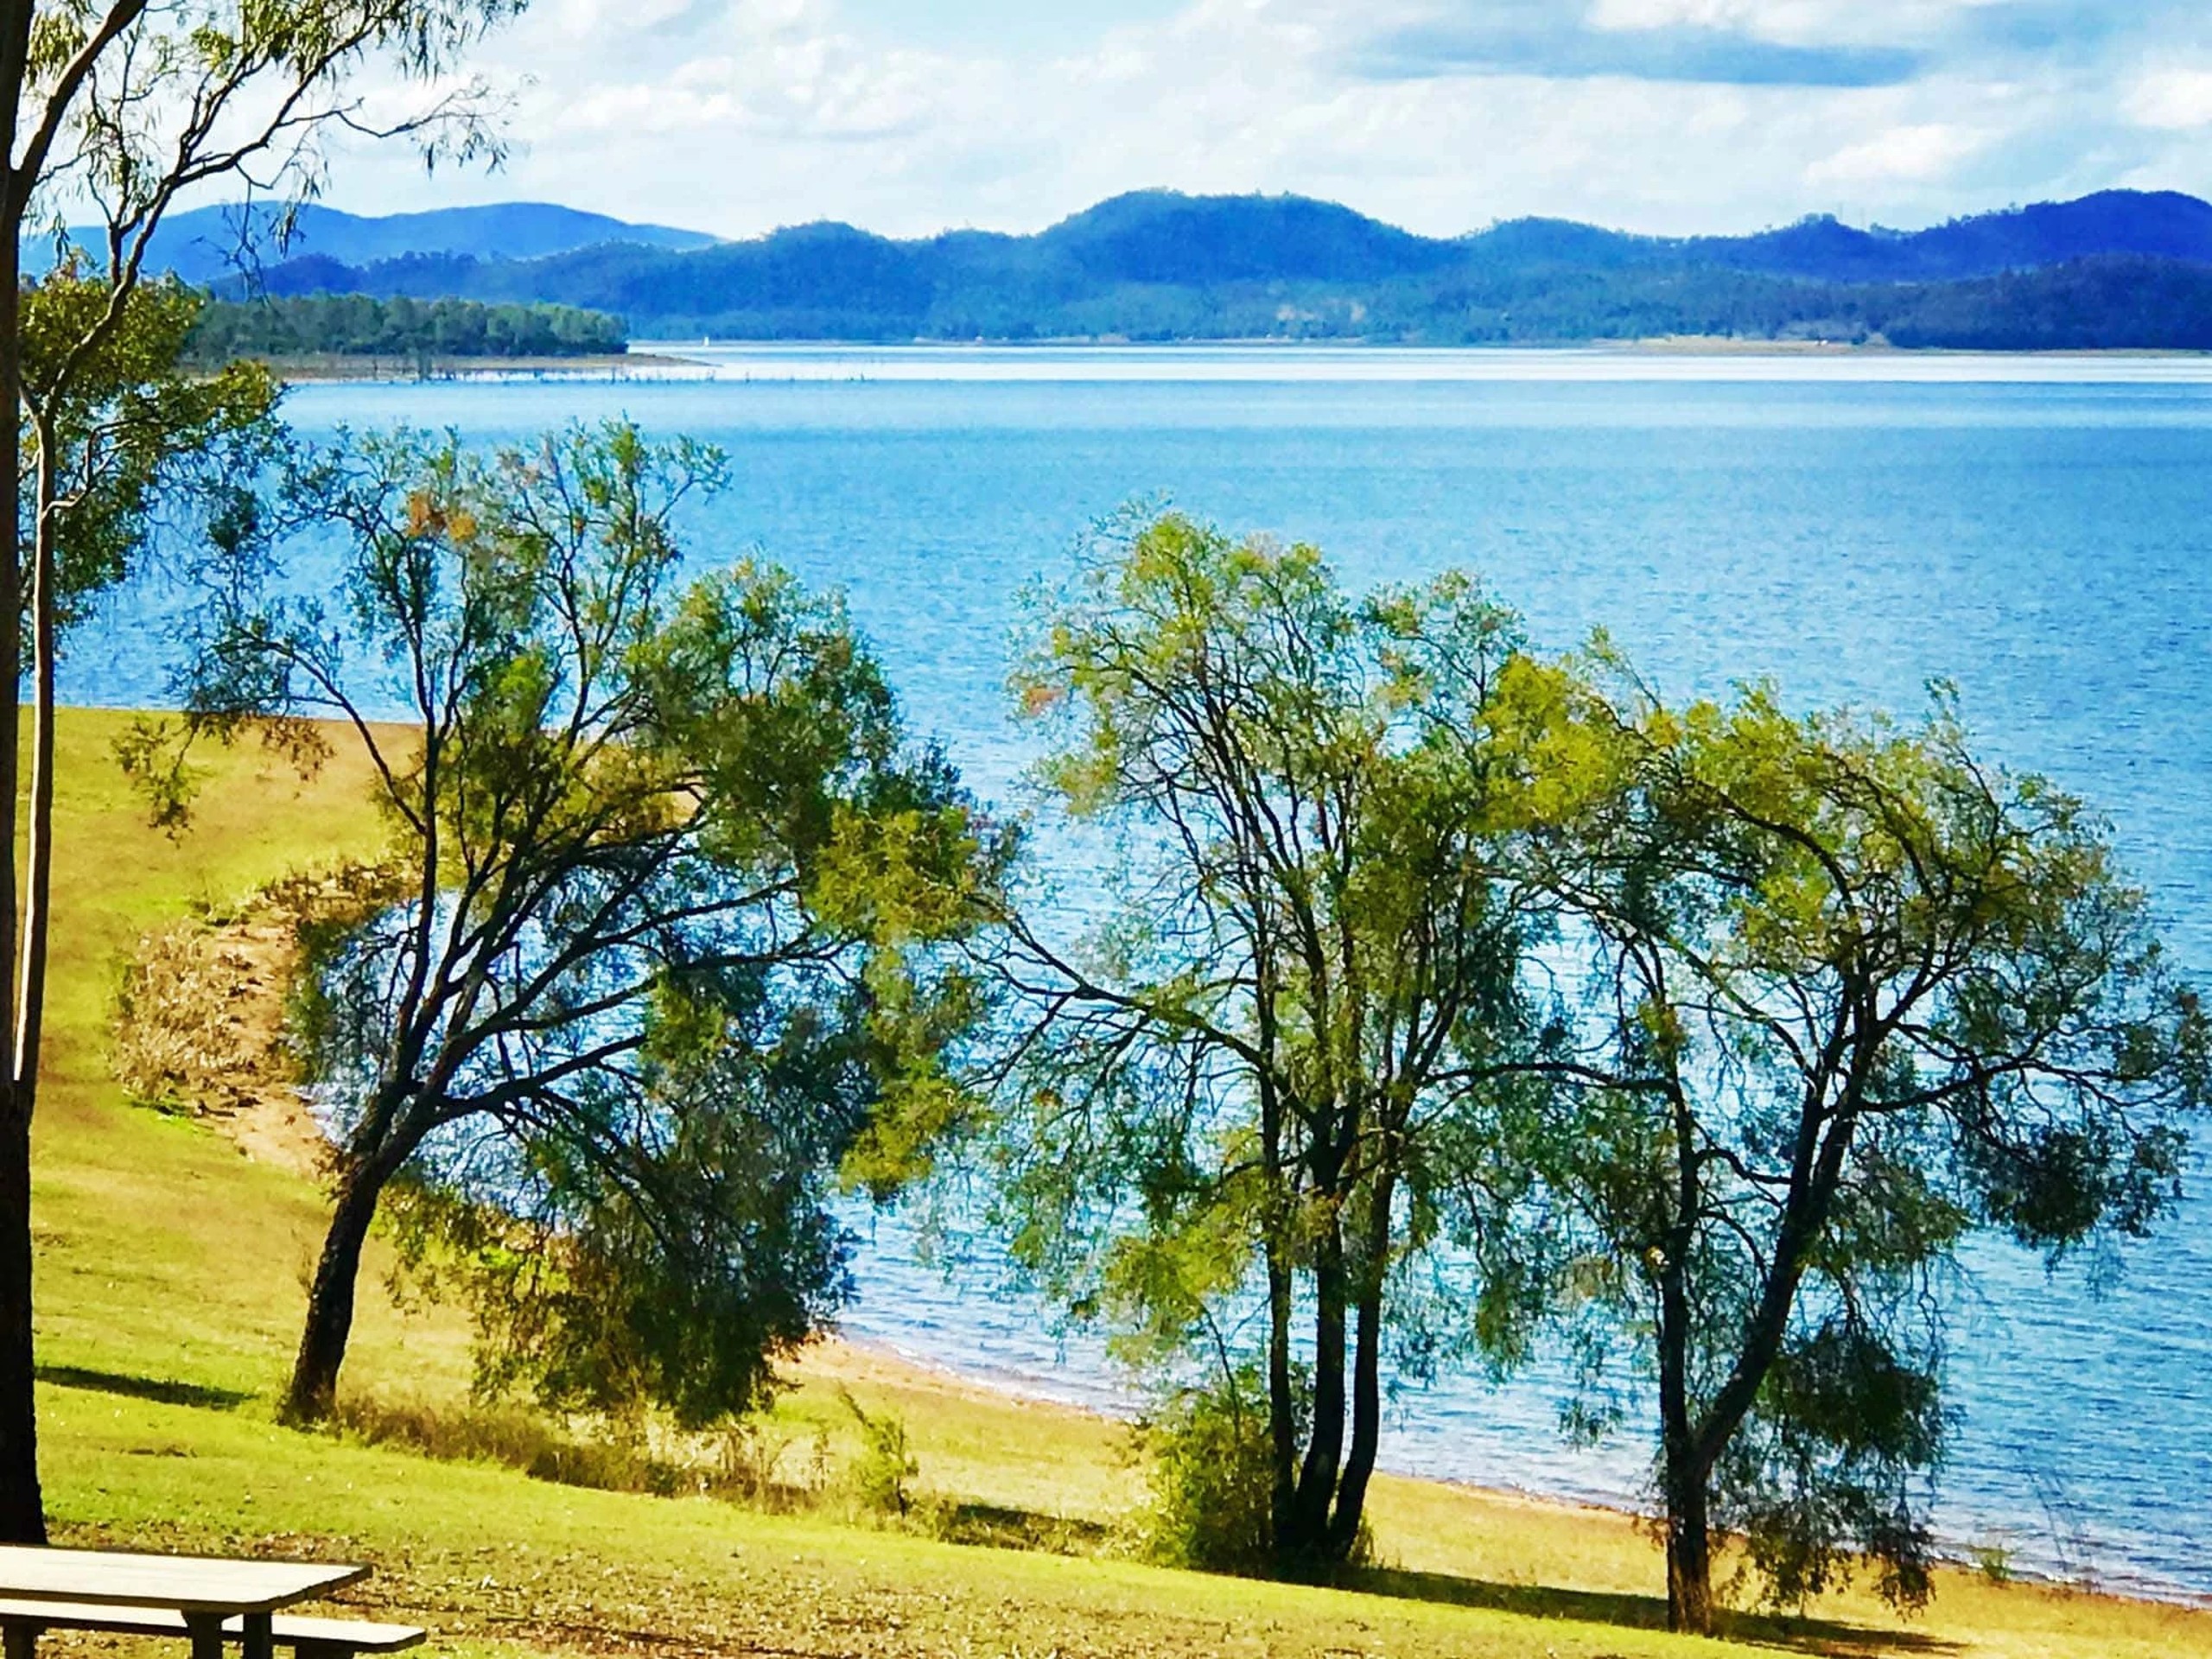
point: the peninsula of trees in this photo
(354, 325)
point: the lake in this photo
(2035, 531)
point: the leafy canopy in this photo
(1294, 1055)
(1856, 994)
(665, 930)
(133, 436)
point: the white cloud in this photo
(781, 68)
(735, 115)
(1917, 154)
(1794, 22)
(1772, 19)
(2175, 101)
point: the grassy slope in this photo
(171, 1279)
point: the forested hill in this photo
(2118, 269)
(213, 243)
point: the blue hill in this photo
(1158, 265)
(2161, 225)
(209, 243)
(1161, 236)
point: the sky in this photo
(1669, 116)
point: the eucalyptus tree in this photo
(1297, 1048)
(1858, 994)
(664, 933)
(108, 112)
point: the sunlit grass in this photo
(170, 1286)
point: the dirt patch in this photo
(201, 1030)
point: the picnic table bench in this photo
(210, 1599)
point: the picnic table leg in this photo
(206, 1635)
(259, 1642)
(22, 1640)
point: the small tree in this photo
(118, 435)
(1299, 1051)
(658, 935)
(1860, 995)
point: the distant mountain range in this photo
(2120, 268)
(213, 244)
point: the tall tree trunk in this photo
(1317, 1479)
(1283, 1397)
(1366, 1427)
(22, 1511)
(313, 1390)
(23, 1508)
(1689, 1548)
(1682, 1478)
(21, 1505)
(38, 876)
(1366, 1379)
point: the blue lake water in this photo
(2039, 532)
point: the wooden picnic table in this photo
(205, 1590)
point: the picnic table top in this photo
(191, 1584)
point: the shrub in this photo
(1210, 1470)
(887, 1463)
(751, 1468)
(198, 1016)
(1994, 1562)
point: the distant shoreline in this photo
(671, 350)
(397, 369)
(1686, 359)
(670, 359)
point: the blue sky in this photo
(735, 115)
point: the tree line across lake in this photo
(2112, 301)
(831, 282)
(355, 324)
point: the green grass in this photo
(170, 1284)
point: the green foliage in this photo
(131, 434)
(354, 325)
(1831, 1463)
(1300, 1052)
(1712, 1031)
(1853, 993)
(882, 1474)
(607, 1307)
(670, 914)
(1209, 1460)
(121, 109)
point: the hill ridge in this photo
(213, 243)
(1162, 265)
